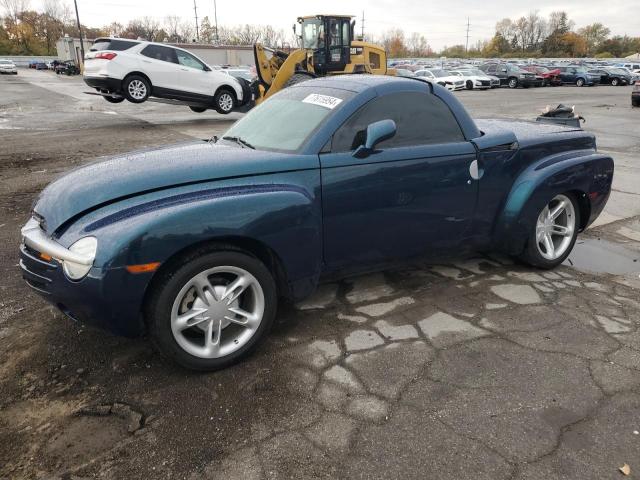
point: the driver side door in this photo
(414, 195)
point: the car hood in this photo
(111, 179)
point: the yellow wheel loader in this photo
(327, 48)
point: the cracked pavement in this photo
(476, 368)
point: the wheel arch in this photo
(587, 177)
(237, 243)
(136, 72)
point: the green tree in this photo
(594, 35)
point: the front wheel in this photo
(580, 82)
(469, 85)
(212, 309)
(615, 82)
(224, 101)
(198, 109)
(554, 234)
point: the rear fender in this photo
(585, 174)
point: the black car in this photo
(613, 76)
(511, 75)
(635, 95)
(67, 68)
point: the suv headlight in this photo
(85, 246)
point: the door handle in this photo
(474, 171)
(146, 61)
(184, 69)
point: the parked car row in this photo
(495, 74)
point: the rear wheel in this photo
(580, 82)
(554, 234)
(615, 82)
(198, 109)
(136, 88)
(212, 309)
(513, 82)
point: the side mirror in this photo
(377, 132)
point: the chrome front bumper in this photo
(34, 237)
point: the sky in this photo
(442, 23)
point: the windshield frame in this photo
(304, 92)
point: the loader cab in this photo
(329, 37)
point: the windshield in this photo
(5, 62)
(439, 73)
(285, 121)
(619, 71)
(312, 33)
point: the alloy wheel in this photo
(137, 89)
(217, 312)
(555, 227)
(225, 102)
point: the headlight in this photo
(85, 246)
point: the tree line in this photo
(25, 31)
(556, 36)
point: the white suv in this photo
(134, 70)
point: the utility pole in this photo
(215, 17)
(195, 11)
(75, 3)
(466, 48)
(362, 26)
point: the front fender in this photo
(283, 217)
(586, 174)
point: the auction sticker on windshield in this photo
(323, 100)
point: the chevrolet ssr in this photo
(193, 244)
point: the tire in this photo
(198, 109)
(536, 253)
(615, 82)
(580, 82)
(224, 101)
(174, 291)
(136, 88)
(469, 85)
(297, 78)
(512, 82)
(113, 99)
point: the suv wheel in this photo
(224, 101)
(212, 308)
(513, 82)
(580, 82)
(615, 82)
(136, 88)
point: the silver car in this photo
(7, 66)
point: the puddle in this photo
(600, 256)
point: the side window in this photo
(158, 52)
(421, 119)
(188, 60)
(374, 60)
(491, 69)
